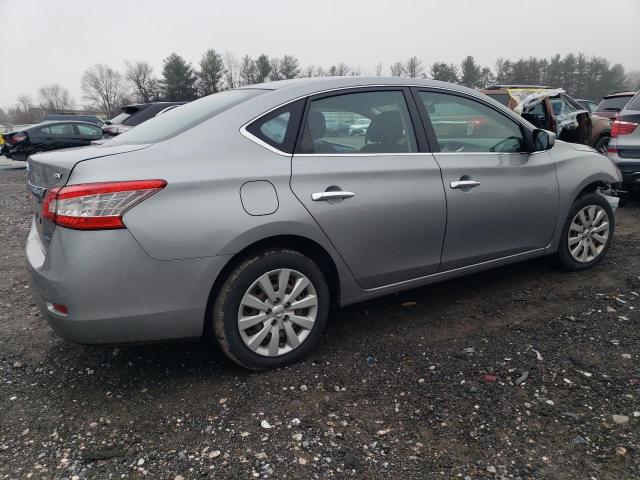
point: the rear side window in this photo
(179, 120)
(280, 127)
(89, 130)
(613, 104)
(59, 130)
(371, 122)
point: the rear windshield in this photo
(119, 119)
(142, 115)
(634, 104)
(178, 120)
(613, 103)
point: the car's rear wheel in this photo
(271, 309)
(587, 233)
(602, 144)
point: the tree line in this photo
(107, 89)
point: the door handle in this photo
(331, 195)
(465, 184)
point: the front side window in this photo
(363, 122)
(464, 125)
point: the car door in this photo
(61, 135)
(502, 200)
(379, 199)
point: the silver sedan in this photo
(242, 217)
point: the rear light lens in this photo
(96, 206)
(17, 138)
(620, 127)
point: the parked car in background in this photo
(47, 136)
(554, 110)
(359, 126)
(624, 148)
(612, 104)
(239, 217)
(135, 114)
(70, 118)
(588, 105)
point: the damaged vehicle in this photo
(44, 137)
(552, 109)
(240, 218)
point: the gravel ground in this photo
(523, 372)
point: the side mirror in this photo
(543, 140)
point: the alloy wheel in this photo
(277, 312)
(588, 233)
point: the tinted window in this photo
(89, 130)
(59, 130)
(280, 127)
(364, 122)
(178, 120)
(464, 125)
(143, 115)
(613, 103)
(117, 120)
(634, 104)
(503, 98)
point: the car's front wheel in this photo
(587, 233)
(271, 309)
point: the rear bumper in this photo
(115, 292)
(630, 168)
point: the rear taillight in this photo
(96, 206)
(620, 127)
(17, 138)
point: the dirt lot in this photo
(524, 372)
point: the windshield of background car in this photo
(503, 98)
(179, 120)
(613, 103)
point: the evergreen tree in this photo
(263, 68)
(211, 73)
(289, 67)
(179, 80)
(248, 71)
(446, 73)
(471, 73)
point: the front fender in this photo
(579, 168)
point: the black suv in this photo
(135, 114)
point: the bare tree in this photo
(140, 76)
(22, 112)
(342, 69)
(232, 74)
(55, 98)
(396, 69)
(103, 87)
(414, 67)
(356, 71)
(378, 70)
(308, 71)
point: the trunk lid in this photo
(53, 169)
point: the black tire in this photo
(227, 304)
(602, 144)
(563, 255)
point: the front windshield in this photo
(178, 120)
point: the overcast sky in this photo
(54, 41)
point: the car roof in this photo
(309, 86)
(57, 122)
(506, 86)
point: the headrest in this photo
(317, 124)
(386, 127)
